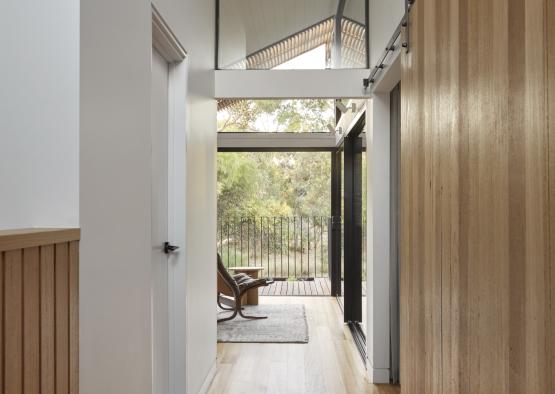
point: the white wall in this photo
(193, 23)
(115, 192)
(115, 272)
(39, 114)
(378, 230)
(355, 9)
(250, 25)
(385, 16)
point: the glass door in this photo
(347, 224)
(364, 261)
(341, 297)
(336, 225)
(352, 227)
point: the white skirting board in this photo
(377, 375)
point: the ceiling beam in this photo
(283, 84)
(276, 141)
(279, 142)
(337, 34)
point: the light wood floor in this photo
(329, 363)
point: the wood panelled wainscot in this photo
(39, 279)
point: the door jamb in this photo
(163, 39)
(168, 45)
(352, 304)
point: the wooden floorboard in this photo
(328, 364)
(302, 290)
(327, 287)
(316, 287)
(263, 290)
(320, 284)
(289, 288)
(313, 287)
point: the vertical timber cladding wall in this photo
(39, 323)
(477, 198)
(551, 127)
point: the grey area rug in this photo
(285, 324)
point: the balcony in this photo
(293, 251)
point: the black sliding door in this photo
(352, 224)
(336, 233)
(395, 130)
(346, 236)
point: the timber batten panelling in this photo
(550, 30)
(39, 325)
(477, 198)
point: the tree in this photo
(273, 184)
(267, 185)
(278, 116)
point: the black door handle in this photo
(169, 248)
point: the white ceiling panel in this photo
(247, 26)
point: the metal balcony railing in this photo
(286, 247)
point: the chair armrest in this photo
(242, 279)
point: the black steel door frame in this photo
(335, 235)
(395, 157)
(352, 297)
(351, 198)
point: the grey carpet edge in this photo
(302, 342)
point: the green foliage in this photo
(273, 184)
(294, 116)
(255, 188)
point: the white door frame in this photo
(379, 261)
(167, 45)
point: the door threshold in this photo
(359, 337)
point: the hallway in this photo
(329, 363)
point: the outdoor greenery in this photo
(273, 211)
(273, 208)
(273, 184)
(263, 195)
(277, 116)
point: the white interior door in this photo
(159, 195)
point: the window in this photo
(291, 34)
(276, 116)
(273, 212)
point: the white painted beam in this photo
(268, 141)
(391, 74)
(275, 84)
(350, 118)
(278, 141)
